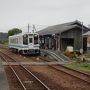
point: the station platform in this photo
(59, 56)
(3, 79)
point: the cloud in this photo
(48, 12)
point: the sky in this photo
(42, 13)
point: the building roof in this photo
(61, 28)
(87, 33)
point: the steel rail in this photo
(71, 74)
(36, 78)
(19, 79)
(28, 72)
(75, 70)
(66, 72)
(15, 74)
(59, 69)
(69, 69)
(64, 66)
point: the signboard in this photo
(81, 51)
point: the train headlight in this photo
(35, 35)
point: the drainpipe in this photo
(60, 41)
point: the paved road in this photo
(3, 80)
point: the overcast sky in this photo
(18, 13)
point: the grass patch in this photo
(79, 65)
(4, 42)
(87, 54)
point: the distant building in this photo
(58, 37)
(3, 36)
(87, 35)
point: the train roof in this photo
(21, 34)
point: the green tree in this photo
(14, 31)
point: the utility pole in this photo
(28, 28)
(33, 29)
(82, 35)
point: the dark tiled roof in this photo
(60, 28)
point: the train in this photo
(25, 43)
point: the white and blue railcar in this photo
(25, 43)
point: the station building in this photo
(58, 37)
(87, 35)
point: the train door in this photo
(30, 42)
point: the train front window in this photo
(25, 39)
(30, 40)
(35, 39)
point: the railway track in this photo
(75, 73)
(24, 75)
(80, 76)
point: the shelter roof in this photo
(61, 28)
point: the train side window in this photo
(25, 39)
(30, 40)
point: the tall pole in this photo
(82, 35)
(33, 29)
(28, 28)
(59, 41)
